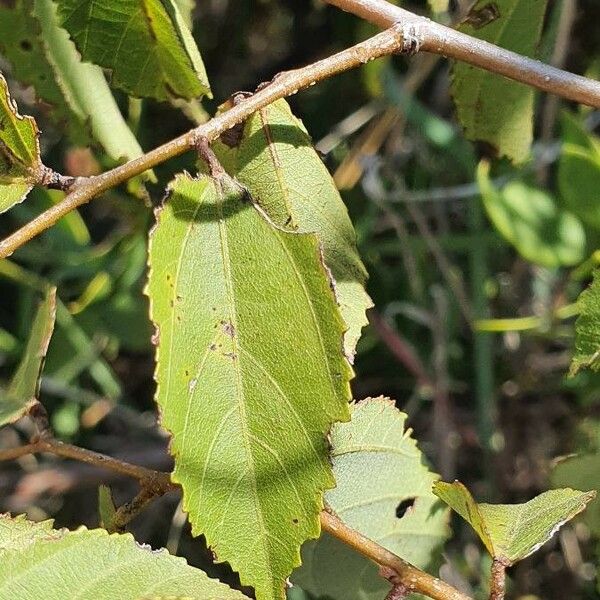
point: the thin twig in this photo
(157, 483)
(445, 41)
(285, 84)
(145, 476)
(127, 512)
(408, 32)
(415, 580)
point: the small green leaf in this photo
(587, 329)
(20, 163)
(511, 532)
(377, 467)
(532, 222)
(91, 564)
(145, 43)
(581, 472)
(274, 158)
(491, 108)
(24, 386)
(250, 373)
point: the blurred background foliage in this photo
(474, 271)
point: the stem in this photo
(157, 483)
(498, 580)
(129, 511)
(285, 84)
(414, 579)
(448, 42)
(146, 477)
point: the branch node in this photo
(206, 154)
(412, 38)
(399, 589)
(55, 181)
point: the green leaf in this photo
(581, 472)
(85, 89)
(532, 222)
(145, 44)
(579, 171)
(491, 108)
(587, 329)
(511, 532)
(20, 163)
(250, 374)
(24, 386)
(377, 467)
(274, 158)
(91, 564)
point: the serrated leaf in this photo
(274, 158)
(17, 533)
(581, 472)
(491, 108)
(511, 532)
(532, 222)
(145, 44)
(377, 467)
(250, 374)
(39, 562)
(24, 386)
(587, 329)
(20, 163)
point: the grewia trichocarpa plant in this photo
(255, 292)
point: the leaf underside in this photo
(275, 159)
(24, 386)
(377, 467)
(145, 44)
(511, 532)
(491, 108)
(250, 374)
(37, 561)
